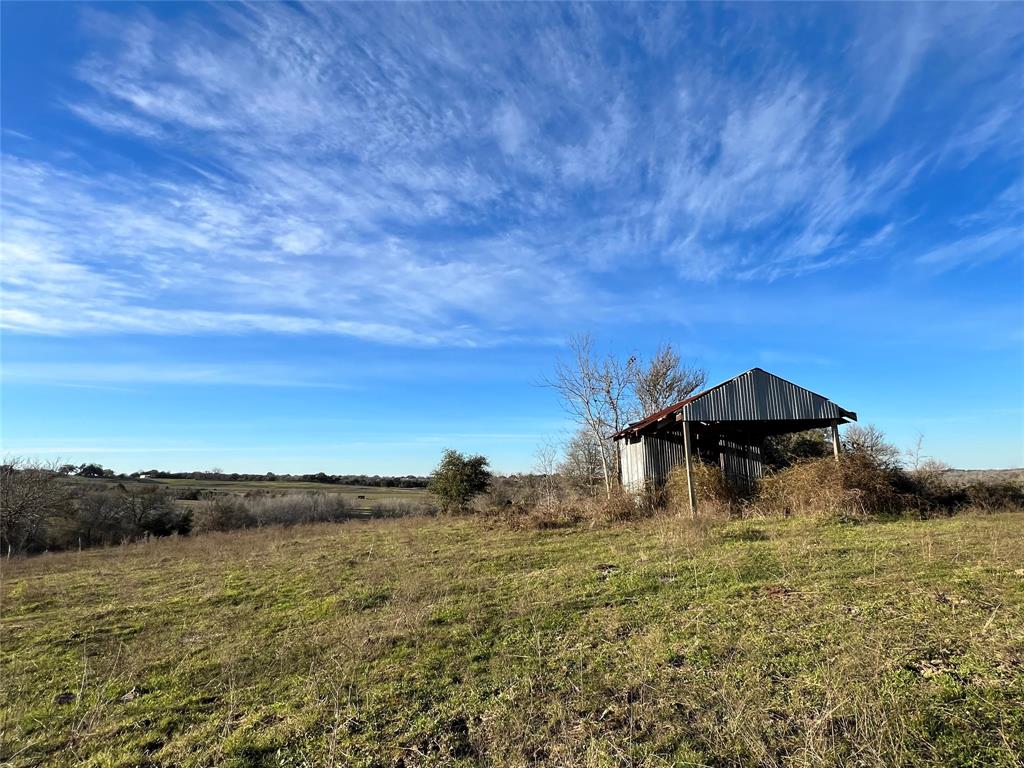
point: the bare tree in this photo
(870, 441)
(921, 464)
(665, 379)
(617, 379)
(914, 454)
(595, 391)
(547, 468)
(32, 495)
(582, 463)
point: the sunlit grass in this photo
(439, 641)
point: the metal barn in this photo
(727, 425)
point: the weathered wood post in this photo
(835, 441)
(689, 470)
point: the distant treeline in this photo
(42, 508)
(374, 481)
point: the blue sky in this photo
(341, 237)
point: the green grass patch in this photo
(456, 642)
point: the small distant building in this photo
(726, 424)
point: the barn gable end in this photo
(757, 395)
(726, 425)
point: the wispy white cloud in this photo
(96, 374)
(187, 259)
(975, 249)
(432, 175)
(510, 128)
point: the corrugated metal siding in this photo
(662, 456)
(649, 460)
(742, 463)
(754, 396)
(758, 395)
(632, 464)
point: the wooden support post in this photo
(835, 441)
(689, 470)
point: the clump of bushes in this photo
(389, 508)
(716, 497)
(187, 493)
(33, 496)
(229, 512)
(855, 486)
(935, 495)
(226, 513)
(556, 514)
(803, 478)
(519, 491)
(992, 497)
(113, 515)
(41, 509)
(294, 508)
(532, 501)
(622, 505)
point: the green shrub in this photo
(457, 480)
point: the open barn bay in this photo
(462, 642)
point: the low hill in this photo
(458, 642)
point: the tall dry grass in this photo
(388, 508)
(716, 498)
(230, 512)
(859, 485)
(293, 508)
(853, 487)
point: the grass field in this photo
(361, 497)
(455, 642)
(243, 486)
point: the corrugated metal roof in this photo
(754, 395)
